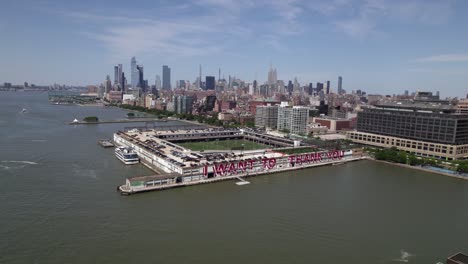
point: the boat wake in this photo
(404, 256)
(38, 140)
(82, 172)
(20, 161)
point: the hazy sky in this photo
(381, 46)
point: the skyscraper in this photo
(210, 83)
(141, 81)
(272, 76)
(158, 82)
(166, 74)
(108, 84)
(134, 74)
(340, 82)
(123, 81)
(328, 87)
(319, 87)
(116, 76)
(290, 87)
(200, 79)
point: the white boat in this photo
(127, 155)
(24, 110)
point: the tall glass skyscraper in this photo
(166, 74)
(134, 73)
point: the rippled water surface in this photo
(59, 205)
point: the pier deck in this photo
(125, 190)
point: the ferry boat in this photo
(127, 155)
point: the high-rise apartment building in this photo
(293, 119)
(166, 75)
(266, 116)
(462, 106)
(182, 104)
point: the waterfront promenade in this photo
(458, 176)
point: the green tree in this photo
(91, 119)
(462, 167)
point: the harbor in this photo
(159, 150)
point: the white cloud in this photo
(445, 58)
(127, 36)
(359, 18)
(444, 71)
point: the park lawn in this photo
(223, 145)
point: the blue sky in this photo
(381, 46)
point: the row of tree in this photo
(394, 155)
(210, 120)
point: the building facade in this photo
(266, 116)
(425, 129)
(182, 104)
(293, 119)
(134, 74)
(166, 77)
(209, 83)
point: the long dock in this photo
(133, 120)
(125, 190)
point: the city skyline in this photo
(378, 46)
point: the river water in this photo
(59, 205)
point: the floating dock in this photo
(106, 143)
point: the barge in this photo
(184, 167)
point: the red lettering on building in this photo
(232, 168)
(250, 163)
(272, 163)
(242, 165)
(220, 169)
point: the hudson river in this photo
(59, 205)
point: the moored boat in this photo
(127, 155)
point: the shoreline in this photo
(421, 169)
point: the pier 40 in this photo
(243, 166)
